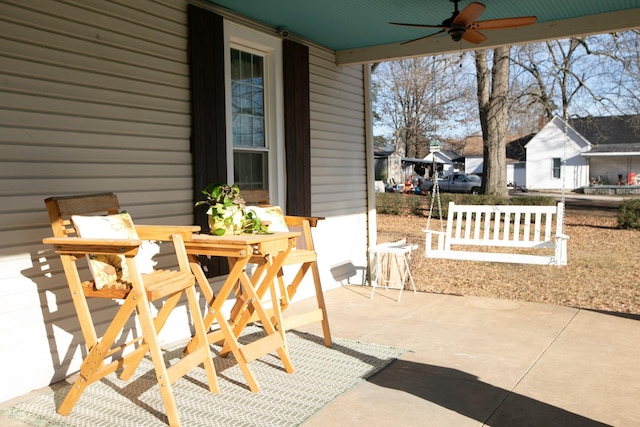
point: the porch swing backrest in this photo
(511, 226)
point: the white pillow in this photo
(272, 216)
(109, 268)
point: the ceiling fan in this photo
(463, 25)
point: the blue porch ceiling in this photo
(359, 30)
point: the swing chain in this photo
(435, 194)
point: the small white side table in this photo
(392, 266)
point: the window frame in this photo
(555, 168)
(270, 48)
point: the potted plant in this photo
(226, 212)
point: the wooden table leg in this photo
(251, 301)
(243, 315)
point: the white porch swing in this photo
(490, 227)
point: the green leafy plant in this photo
(219, 197)
(227, 211)
(253, 224)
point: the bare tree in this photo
(415, 98)
(578, 76)
(493, 103)
(625, 48)
(518, 90)
(526, 115)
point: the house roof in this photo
(611, 130)
(603, 136)
(445, 156)
(613, 150)
(473, 146)
(609, 135)
(359, 30)
(382, 154)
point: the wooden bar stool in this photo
(111, 243)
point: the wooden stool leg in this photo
(321, 304)
(277, 300)
(134, 360)
(162, 375)
(274, 336)
(201, 333)
(73, 395)
(234, 347)
(93, 367)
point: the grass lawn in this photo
(602, 274)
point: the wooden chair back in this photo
(256, 197)
(60, 210)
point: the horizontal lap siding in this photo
(338, 162)
(94, 97)
(337, 136)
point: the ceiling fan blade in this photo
(424, 37)
(473, 37)
(469, 14)
(417, 25)
(494, 24)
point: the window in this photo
(557, 163)
(254, 111)
(250, 153)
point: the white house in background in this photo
(615, 147)
(472, 153)
(597, 151)
(554, 143)
(594, 150)
(444, 161)
(474, 160)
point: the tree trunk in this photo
(493, 111)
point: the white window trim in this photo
(270, 47)
(553, 168)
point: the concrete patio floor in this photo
(480, 361)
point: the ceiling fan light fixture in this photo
(463, 24)
(456, 33)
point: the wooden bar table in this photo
(239, 250)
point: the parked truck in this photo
(455, 183)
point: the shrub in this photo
(389, 203)
(629, 214)
(533, 200)
(411, 204)
(414, 204)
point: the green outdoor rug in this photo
(284, 399)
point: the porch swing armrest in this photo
(561, 249)
(428, 235)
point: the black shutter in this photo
(297, 127)
(208, 132)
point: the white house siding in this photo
(516, 174)
(338, 163)
(94, 96)
(552, 142)
(473, 164)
